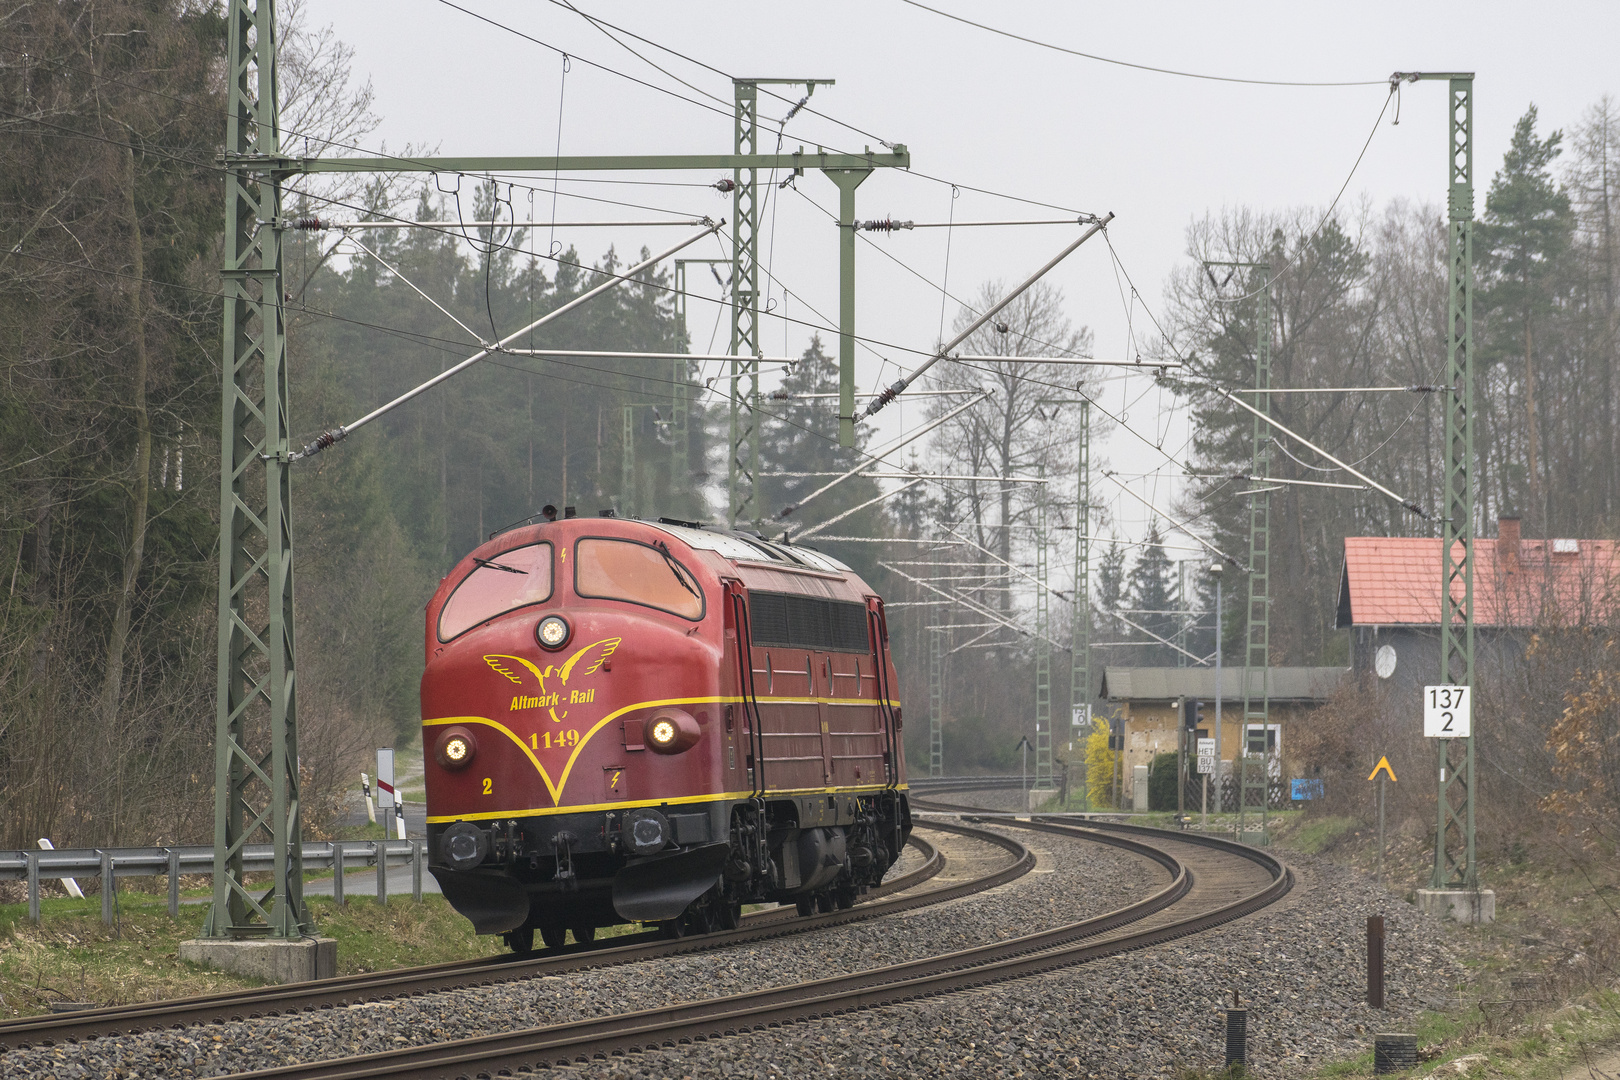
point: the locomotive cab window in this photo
(608, 569)
(510, 580)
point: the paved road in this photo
(354, 813)
(364, 883)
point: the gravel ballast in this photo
(1298, 965)
(1073, 879)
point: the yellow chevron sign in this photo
(1383, 763)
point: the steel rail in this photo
(292, 998)
(671, 1026)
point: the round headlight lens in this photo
(552, 633)
(455, 749)
(663, 732)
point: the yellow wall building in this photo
(1149, 702)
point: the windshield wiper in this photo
(675, 568)
(493, 565)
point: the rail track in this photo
(889, 898)
(1213, 882)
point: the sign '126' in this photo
(1448, 712)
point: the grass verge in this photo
(70, 955)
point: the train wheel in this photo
(673, 928)
(584, 935)
(520, 941)
(806, 905)
(706, 916)
(844, 897)
(553, 935)
(730, 916)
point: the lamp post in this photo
(1215, 569)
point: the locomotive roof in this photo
(750, 547)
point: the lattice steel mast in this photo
(1257, 631)
(256, 710)
(1454, 863)
(743, 446)
(1043, 649)
(1080, 631)
(936, 699)
(680, 469)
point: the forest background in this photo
(111, 115)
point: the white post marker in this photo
(385, 784)
(67, 883)
(399, 817)
(1206, 756)
(371, 806)
(1448, 712)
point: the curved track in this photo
(1213, 882)
(354, 989)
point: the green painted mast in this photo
(936, 698)
(680, 469)
(1257, 631)
(1080, 629)
(1454, 863)
(256, 788)
(1043, 649)
(743, 444)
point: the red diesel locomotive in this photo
(634, 722)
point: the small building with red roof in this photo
(1389, 596)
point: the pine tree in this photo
(1527, 231)
(800, 435)
(1111, 577)
(1152, 592)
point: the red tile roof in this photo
(1395, 580)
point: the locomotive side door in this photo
(883, 690)
(857, 736)
(818, 667)
(743, 760)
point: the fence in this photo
(110, 864)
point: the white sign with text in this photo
(1447, 712)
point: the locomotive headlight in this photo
(456, 748)
(663, 733)
(669, 731)
(552, 633)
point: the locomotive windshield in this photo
(639, 573)
(510, 580)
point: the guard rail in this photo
(110, 864)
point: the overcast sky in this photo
(979, 110)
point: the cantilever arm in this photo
(333, 435)
(1363, 477)
(899, 386)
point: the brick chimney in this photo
(1507, 544)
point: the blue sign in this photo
(1305, 789)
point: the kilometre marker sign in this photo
(1447, 712)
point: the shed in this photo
(1148, 698)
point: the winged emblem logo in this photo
(553, 679)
